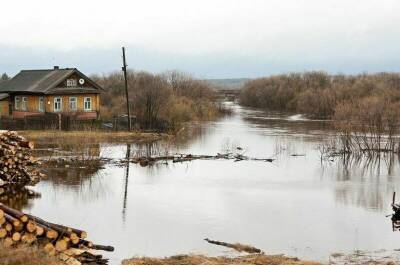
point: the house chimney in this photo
(56, 67)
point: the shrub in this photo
(159, 101)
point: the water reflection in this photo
(17, 197)
(349, 167)
(128, 156)
(362, 181)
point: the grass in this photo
(257, 259)
(25, 256)
(92, 136)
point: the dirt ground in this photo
(255, 259)
(26, 256)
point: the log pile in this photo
(69, 244)
(16, 196)
(16, 162)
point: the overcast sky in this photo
(208, 38)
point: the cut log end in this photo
(31, 227)
(61, 245)
(83, 234)
(8, 242)
(50, 249)
(51, 234)
(39, 230)
(16, 237)
(3, 233)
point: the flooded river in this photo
(297, 205)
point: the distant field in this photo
(229, 83)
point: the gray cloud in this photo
(209, 38)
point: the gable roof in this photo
(3, 95)
(40, 81)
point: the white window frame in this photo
(87, 100)
(17, 103)
(24, 103)
(73, 100)
(55, 104)
(72, 82)
(41, 104)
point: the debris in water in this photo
(237, 246)
(179, 158)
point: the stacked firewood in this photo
(68, 243)
(16, 163)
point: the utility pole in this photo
(126, 89)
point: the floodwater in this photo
(296, 205)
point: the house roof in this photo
(3, 95)
(40, 81)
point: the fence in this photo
(51, 121)
(70, 122)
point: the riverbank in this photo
(93, 136)
(34, 256)
(258, 259)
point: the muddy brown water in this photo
(295, 205)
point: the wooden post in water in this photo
(126, 89)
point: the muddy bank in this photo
(256, 259)
(93, 136)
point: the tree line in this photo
(158, 101)
(317, 93)
(4, 77)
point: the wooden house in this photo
(37, 92)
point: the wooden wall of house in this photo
(4, 108)
(76, 76)
(33, 102)
(65, 102)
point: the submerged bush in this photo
(369, 125)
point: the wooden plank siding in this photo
(33, 105)
(4, 108)
(65, 102)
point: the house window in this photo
(72, 103)
(23, 103)
(57, 104)
(71, 82)
(17, 101)
(41, 104)
(87, 103)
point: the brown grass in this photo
(92, 136)
(257, 259)
(26, 256)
